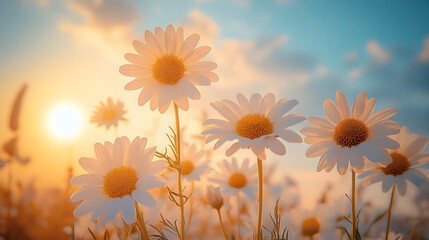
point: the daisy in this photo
(314, 225)
(168, 68)
(351, 135)
(406, 159)
(234, 178)
(108, 113)
(255, 123)
(120, 175)
(193, 162)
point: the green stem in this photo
(390, 211)
(238, 215)
(221, 224)
(179, 175)
(141, 225)
(260, 194)
(353, 205)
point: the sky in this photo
(69, 52)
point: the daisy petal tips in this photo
(120, 175)
(167, 68)
(254, 123)
(350, 135)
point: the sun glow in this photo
(65, 121)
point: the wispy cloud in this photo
(424, 55)
(105, 22)
(377, 53)
(350, 57)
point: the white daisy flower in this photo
(318, 224)
(168, 68)
(255, 123)
(351, 135)
(406, 159)
(234, 178)
(121, 174)
(193, 162)
(108, 113)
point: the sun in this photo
(65, 121)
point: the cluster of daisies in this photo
(166, 69)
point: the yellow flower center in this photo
(310, 227)
(237, 180)
(398, 166)
(168, 70)
(254, 126)
(187, 167)
(120, 182)
(350, 132)
(109, 115)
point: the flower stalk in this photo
(141, 226)
(390, 211)
(179, 175)
(260, 194)
(221, 224)
(353, 205)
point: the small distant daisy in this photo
(406, 159)
(351, 135)
(193, 162)
(315, 225)
(168, 68)
(108, 114)
(234, 178)
(255, 123)
(121, 174)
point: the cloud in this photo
(424, 55)
(322, 71)
(356, 73)
(41, 3)
(377, 53)
(252, 63)
(350, 58)
(105, 22)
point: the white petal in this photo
(290, 136)
(244, 103)
(275, 146)
(331, 111)
(420, 159)
(356, 160)
(128, 210)
(289, 120)
(401, 184)
(416, 177)
(103, 156)
(343, 105)
(189, 45)
(267, 103)
(320, 122)
(319, 149)
(150, 182)
(87, 207)
(118, 153)
(342, 162)
(112, 208)
(144, 198)
(233, 149)
(371, 152)
(152, 43)
(381, 116)
(359, 105)
(384, 128)
(415, 147)
(225, 111)
(388, 182)
(280, 108)
(91, 165)
(369, 108)
(87, 180)
(383, 142)
(259, 151)
(131, 70)
(196, 55)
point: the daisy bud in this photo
(214, 198)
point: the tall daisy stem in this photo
(221, 224)
(141, 225)
(238, 215)
(260, 194)
(390, 211)
(353, 205)
(179, 175)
